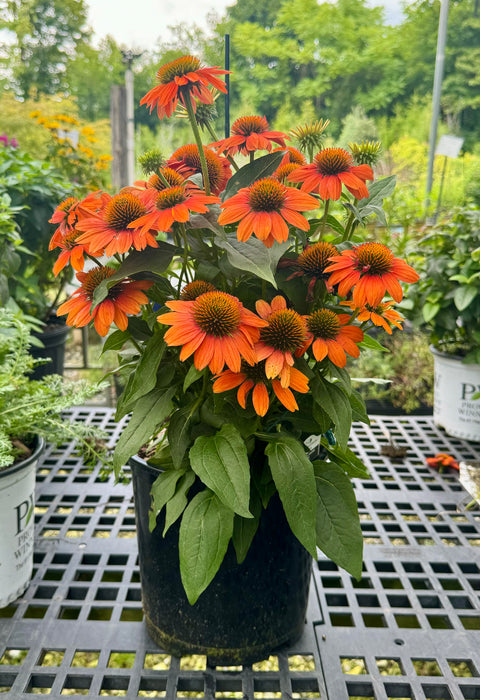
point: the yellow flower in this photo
(87, 131)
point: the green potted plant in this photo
(398, 379)
(30, 190)
(446, 303)
(30, 413)
(238, 329)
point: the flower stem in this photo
(325, 215)
(349, 226)
(185, 257)
(198, 140)
(214, 136)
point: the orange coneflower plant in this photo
(226, 297)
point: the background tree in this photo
(46, 34)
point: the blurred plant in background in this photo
(70, 150)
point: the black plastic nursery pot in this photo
(54, 338)
(248, 609)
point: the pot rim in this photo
(17, 466)
(448, 356)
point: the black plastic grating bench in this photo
(409, 629)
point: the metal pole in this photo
(437, 91)
(130, 121)
(227, 83)
(441, 190)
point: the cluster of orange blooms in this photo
(243, 349)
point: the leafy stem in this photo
(198, 140)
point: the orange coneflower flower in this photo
(371, 270)
(71, 253)
(312, 262)
(284, 333)
(283, 172)
(382, 315)
(329, 335)
(186, 161)
(249, 134)
(216, 328)
(193, 290)
(71, 210)
(186, 80)
(164, 207)
(253, 377)
(441, 461)
(110, 228)
(265, 209)
(124, 297)
(331, 168)
(292, 155)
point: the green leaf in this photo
(179, 433)
(378, 191)
(163, 489)
(343, 377)
(253, 256)
(209, 220)
(157, 261)
(205, 531)
(177, 504)
(359, 411)
(292, 473)
(371, 344)
(347, 460)
(145, 375)
(333, 400)
(261, 167)
(116, 341)
(430, 310)
(147, 416)
(193, 375)
(244, 529)
(464, 296)
(4, 291)
(221, 462)
(339, 534)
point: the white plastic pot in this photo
(453, 406)
(17, 502)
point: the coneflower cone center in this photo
(324, 323)
(266, 195)
(315, 258)
(244, 126)
(177, 68)
(254, 372)
(67, 204)
(171, 176)
(94, 277)
(169, 198)
(333, 161)
(283, 171)
(122, 210)
(373, 259)
(217, 313)
(191, 158)
(70, 240)
(285, 331)
(193, 290)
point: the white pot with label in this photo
(454, 408)
(17, 521)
